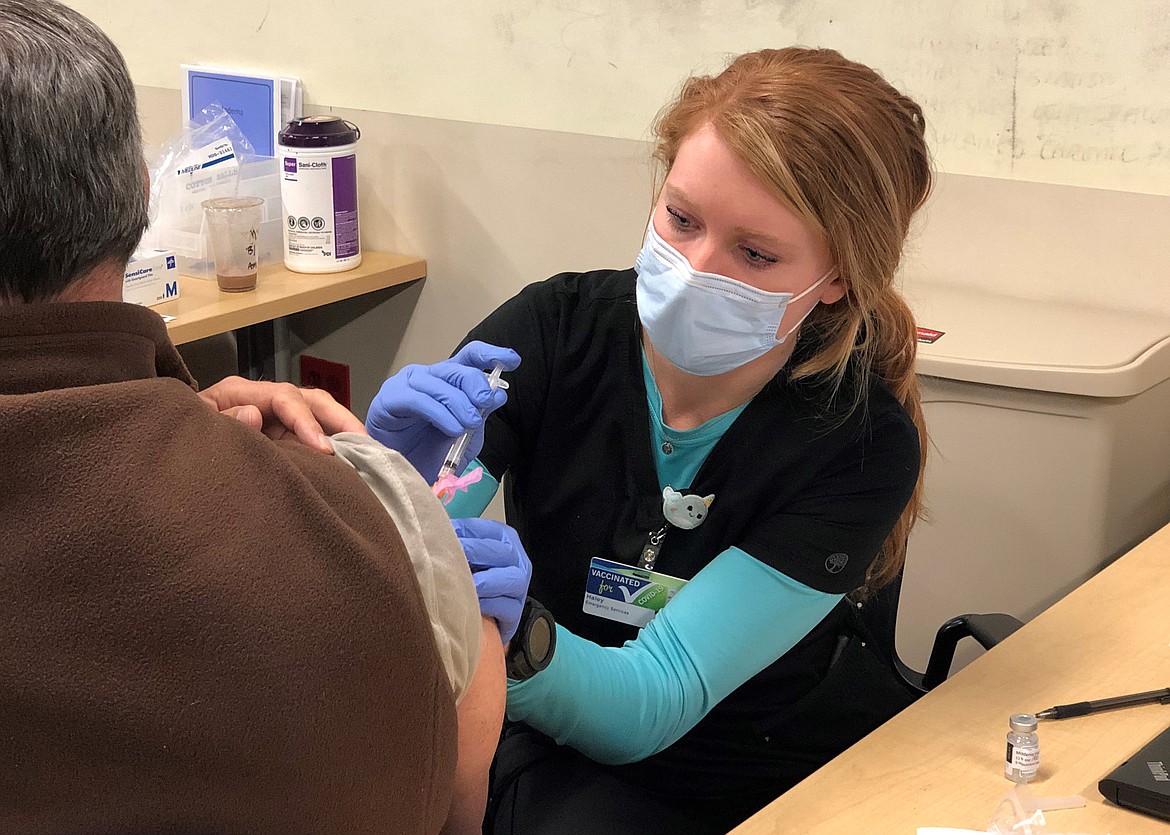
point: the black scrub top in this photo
(802, 482)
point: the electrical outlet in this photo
(333, 377)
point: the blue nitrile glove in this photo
(500, 568)
(423, 408)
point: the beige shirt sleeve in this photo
(435, 552)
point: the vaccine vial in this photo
(1023, 749)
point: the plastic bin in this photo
(1050, 430)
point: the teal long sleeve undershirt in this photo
(622, 704)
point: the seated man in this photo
(204, 630)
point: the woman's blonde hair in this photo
(847, 153)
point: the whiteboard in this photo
(1062, 91)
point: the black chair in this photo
(878, 615)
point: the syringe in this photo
(460, 446)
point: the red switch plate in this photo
(323, 374)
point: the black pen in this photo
(1085, 708)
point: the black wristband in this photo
(532, 647)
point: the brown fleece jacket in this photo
(201, 630)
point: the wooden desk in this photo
(203, 310)
(940, 762)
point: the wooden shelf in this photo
(203, 310)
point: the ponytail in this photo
(894, 347)
(879, 339)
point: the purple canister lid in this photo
(319, 132)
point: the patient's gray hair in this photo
(72, 194)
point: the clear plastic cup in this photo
(234, 224)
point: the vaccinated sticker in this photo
(620, 592)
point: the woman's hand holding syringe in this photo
(422, 408)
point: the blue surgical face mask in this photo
(706, 323)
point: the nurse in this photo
(735, 419)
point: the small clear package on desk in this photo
(1019, 812)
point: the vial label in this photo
(1022, 762)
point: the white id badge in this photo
(625, 593)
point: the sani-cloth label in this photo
(320, 206)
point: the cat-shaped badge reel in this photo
(686, 511)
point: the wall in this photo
(1060, 91)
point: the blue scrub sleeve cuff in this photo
(474, 502)
(621, 704)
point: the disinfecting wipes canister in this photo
(318, 189)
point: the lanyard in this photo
(650, 550)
